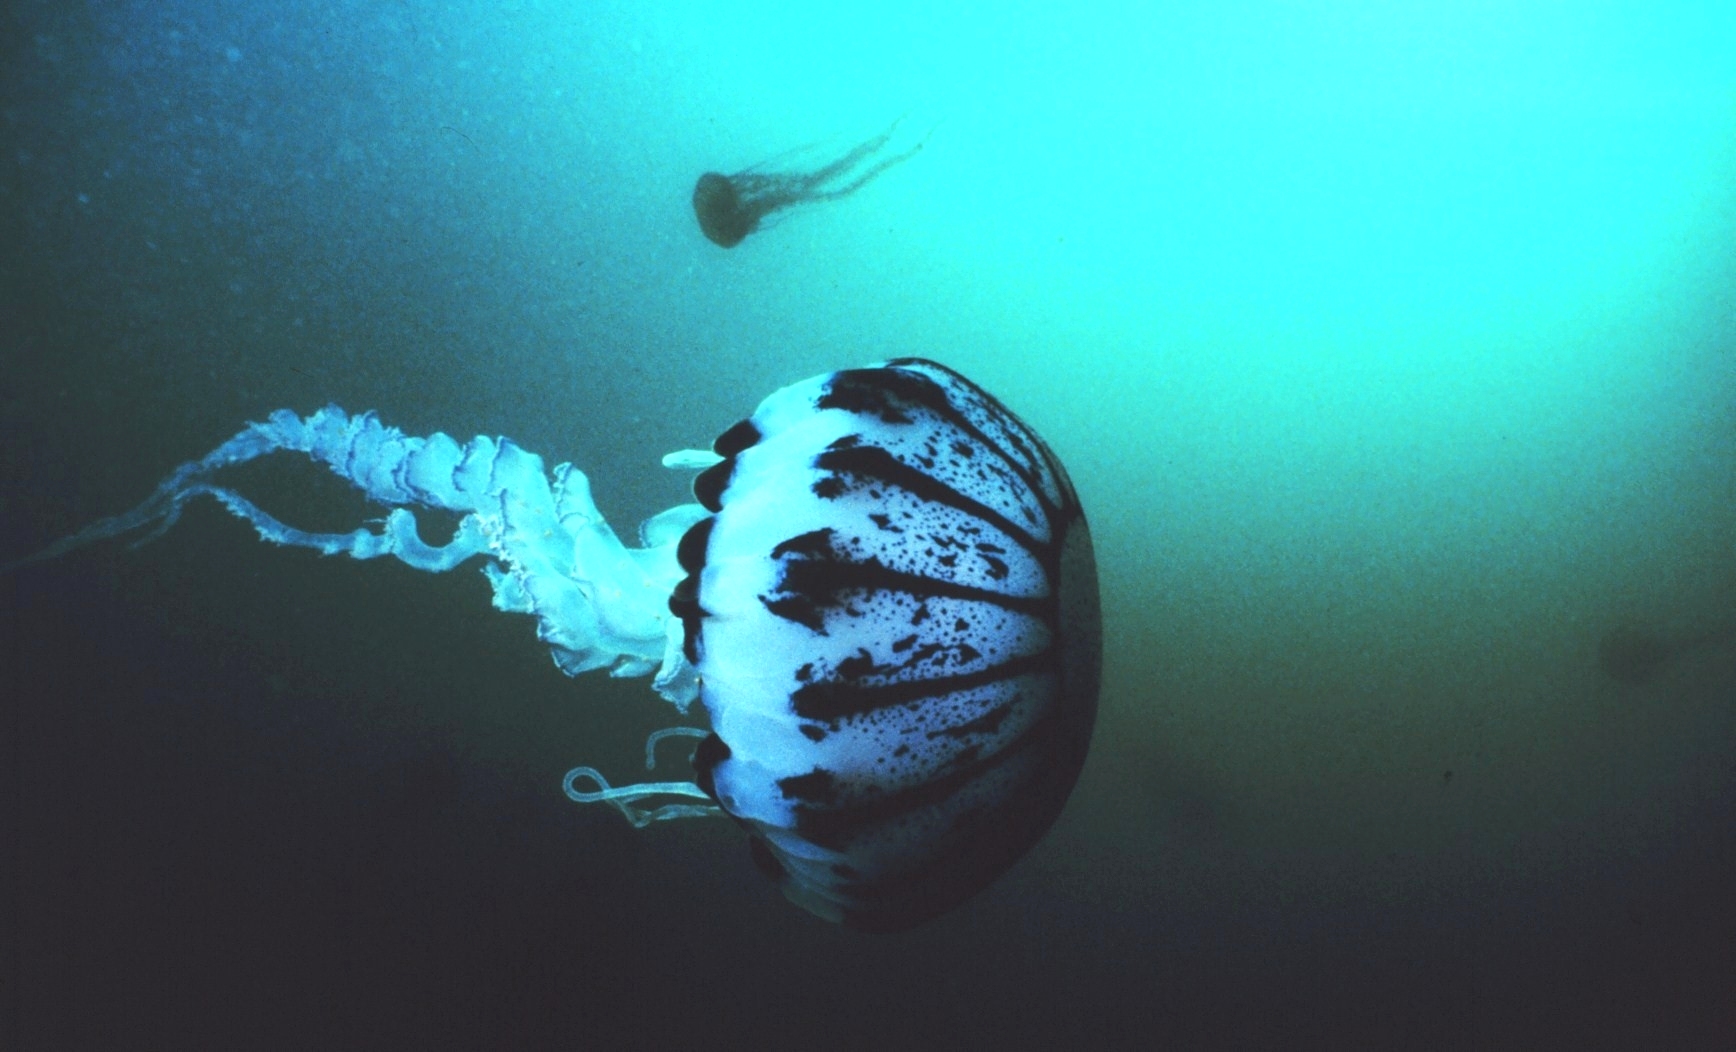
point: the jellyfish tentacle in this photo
(598, 604)
(397, 537)
(865, 177)
(623, 797)
(656, 737)
(163, 507)
(855, 156)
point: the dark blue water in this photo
(1393, 357)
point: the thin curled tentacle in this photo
(622, 798)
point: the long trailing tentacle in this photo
(862, 178)
(163, 507)
(598, 604)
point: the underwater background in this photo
(1391, 348)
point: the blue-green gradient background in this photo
(1391, 346)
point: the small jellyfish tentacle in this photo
(623, 798)
(862, 178)
(668, 732)
(849, 160)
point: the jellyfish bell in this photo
(885, 599)
(717, 204)
(893, 613)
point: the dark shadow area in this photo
(1634, 654)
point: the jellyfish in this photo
(730, 207)
(885, 599)
(1633, 654)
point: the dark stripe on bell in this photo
(684, 599)
(739, 437)
(835, 827)
(929, 393)
(881, 393)
(807, 588)
(830, 700)
(709, 486)
(821, 787)
(872, 462)
(690, 553)
(710, 752)
(988, 723)
(818, 787)
(684, 604)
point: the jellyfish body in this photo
(723, 217)
(886, 599)
(730, 207)
(894, 616)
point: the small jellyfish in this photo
(730, 207)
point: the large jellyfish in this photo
(885, 599)
(730, 207)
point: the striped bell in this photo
(893, 612)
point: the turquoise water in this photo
(1392, 351)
